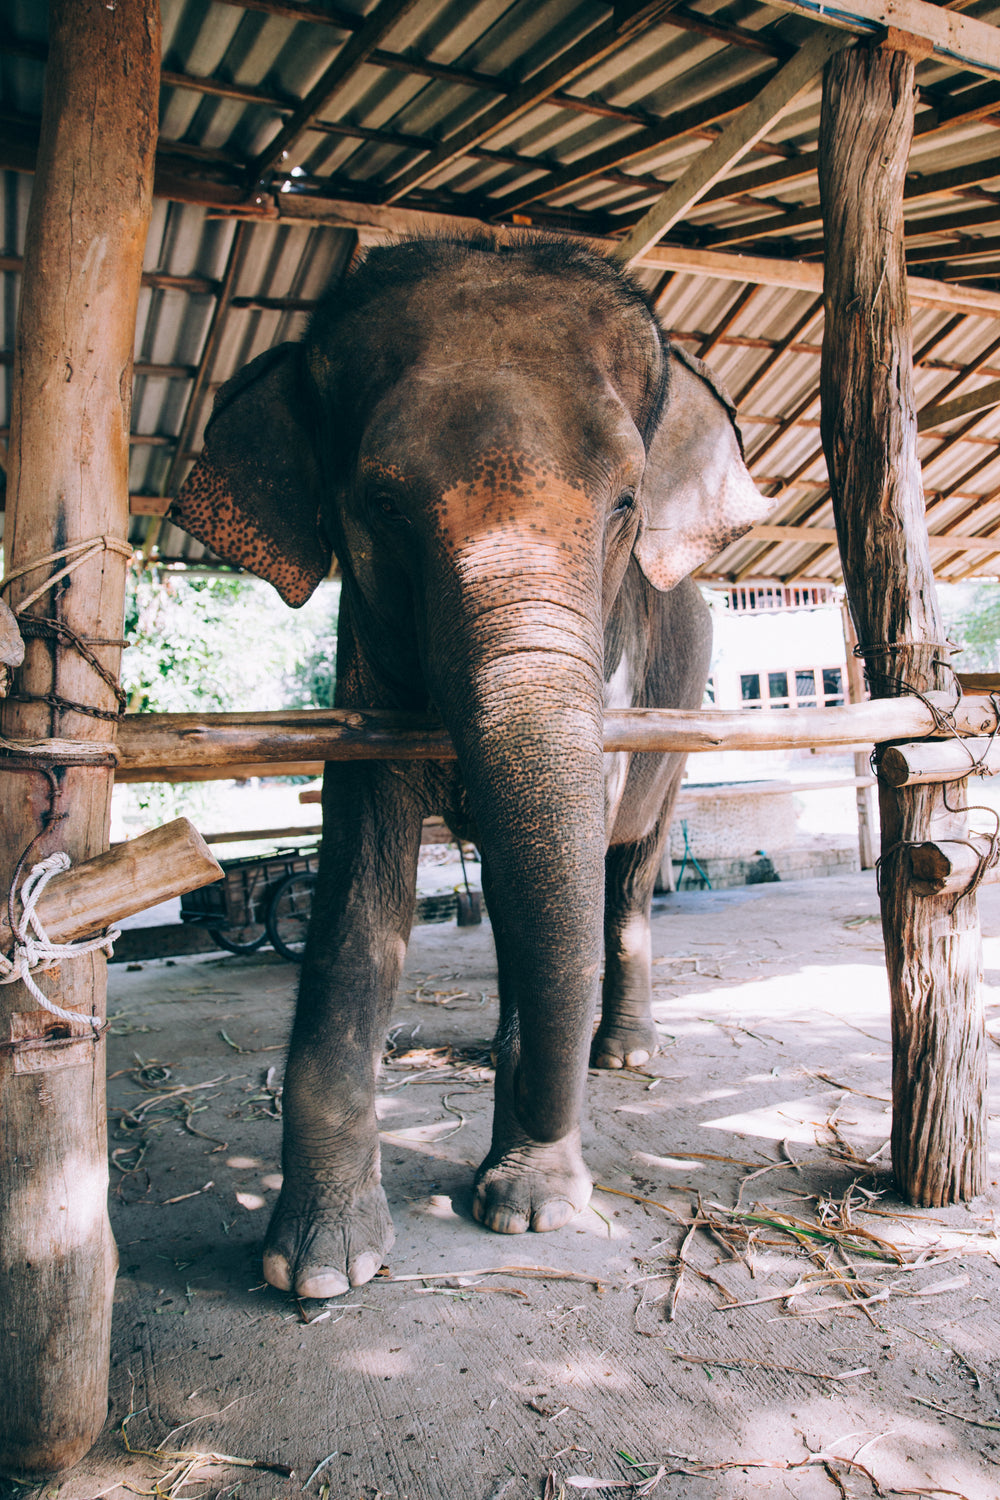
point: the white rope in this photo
(33, 948)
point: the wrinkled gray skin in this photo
(515, 474)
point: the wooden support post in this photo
(864, 794)
(68, 483)
(869, 436)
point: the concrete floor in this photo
(482, 1365)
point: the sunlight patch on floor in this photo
(804, 1120)
(852, 992)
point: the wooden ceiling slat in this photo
(673, 128)
(774, 100)
(597, 45)
(351, 56)
(728, 318)
(780, 348)
(934, 185)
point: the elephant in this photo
(516, 472)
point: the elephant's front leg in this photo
(331, 1228)
(534, 1177)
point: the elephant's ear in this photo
(253, 495)
(697, 494)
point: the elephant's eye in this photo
(624, 503)
(388, 510)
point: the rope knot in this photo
(34, 950)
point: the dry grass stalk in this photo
(759, 1364)
(536, 1273)
(183, 1465)
(699, 1469)
(971, 1421)
(671, 1312)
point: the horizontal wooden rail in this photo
(165, 746)
(434, 830)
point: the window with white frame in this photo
(799, 687)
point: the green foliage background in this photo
(972, 616)
(220, 644)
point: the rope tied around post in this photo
(78, 554)
(947, 728)
(34, 950)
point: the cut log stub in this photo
(930, 762)
(92, 896)
(869, 429)
(949, 868)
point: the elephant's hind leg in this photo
(627, 1036)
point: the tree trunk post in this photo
(870, 439)
(865, 800)
(68, 483)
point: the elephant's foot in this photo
(320, 1249)
(527, 1184)
(624, 1044)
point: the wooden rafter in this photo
(599, 163)
(351, 56)
(600, 43)
(961, 41)
(781, 220)
(752, 124)
(987, 397)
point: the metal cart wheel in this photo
(240, 939)
(288, 915)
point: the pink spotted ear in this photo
(253, 495)
(697, 494)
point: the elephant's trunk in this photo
(516, 670)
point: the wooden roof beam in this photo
(979, 103)
(934, 185)
(950, 252)
(958, 40)
(598, 163)
(973, 368)
(352, 54)
(739, 302)
(777, 96)
(780, 348)
(397, 62)
(807, 276)
(985, 399)
(681, 18)
(828, 537)
(598, 44)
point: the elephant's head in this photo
(439, 352)
(485, 435)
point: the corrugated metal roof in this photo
(431, 121)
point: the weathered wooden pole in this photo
(865, 802)
(68, 483)
(870, 438)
